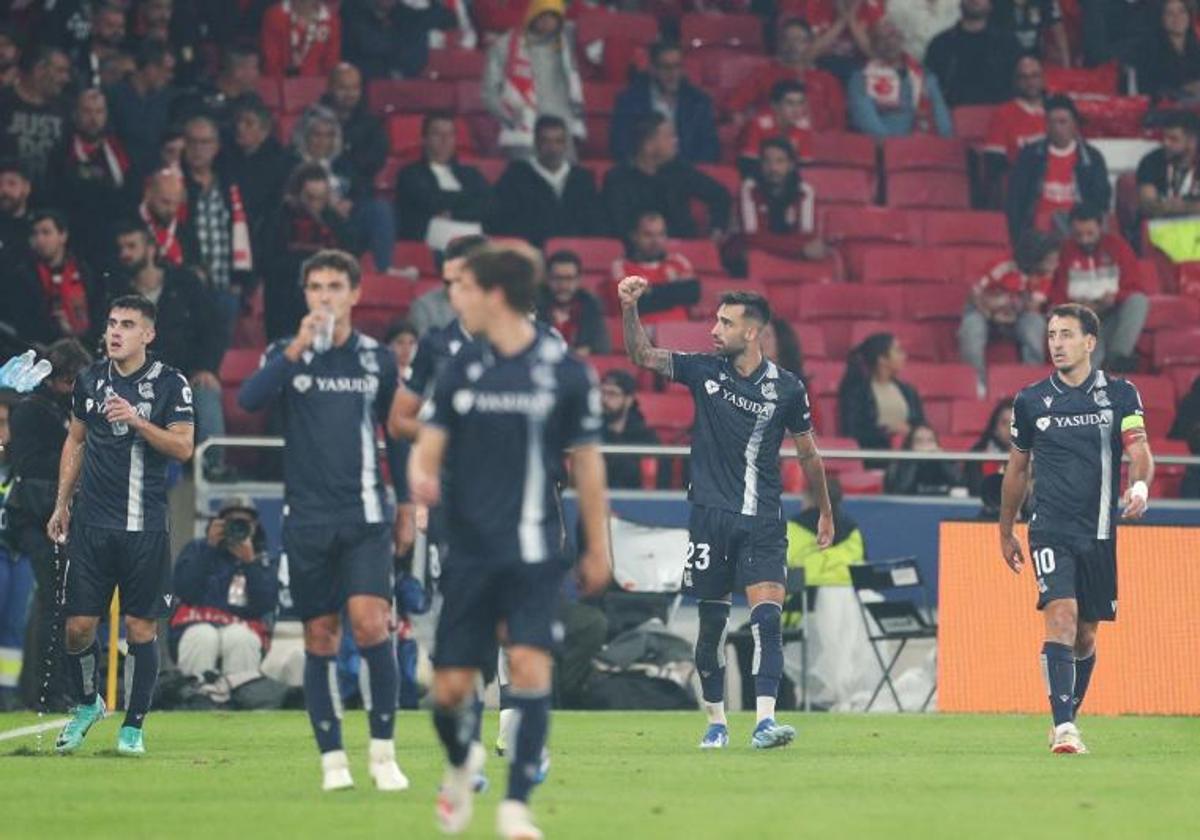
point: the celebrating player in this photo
(737, 536)
(504, 412)
(130, 417)
(1075, 424)
(337, 385)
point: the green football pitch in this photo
(621, 776)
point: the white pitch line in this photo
(32, 730)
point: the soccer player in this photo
(130, 417)
(1073, 426)
(336, 385)
(505, 411)
(745, 404)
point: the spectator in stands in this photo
(140, 105)
(170, 149)
(796, 52)
(995, 439)
(402, 338)
(300, 38)
(1037, 26)
(531, 73)
(164, 212)
(893, 95)
(1100, 270)
(390, 38)
(33, 117)
(974, 59)
(1169, 177)
(667, 92)
(776, 209)
(548, 196)
(647, 255)
(624, 425)
(308, 222)
(1053, 175)
(177, 28)
(1168, 58)
(10, 56)
(106, 35)
(259, 165)
(14, 212)
(918, 21)
(874, 404)
(1010, 300)
(921, 478)
(227, 591)
(236, 82)
(432, 310)
(115, 68)
(1019, 121)
(787, 118)
(1113, 30)
(571, 309)
(438, 186)
(54, 295)
(657, 179)
(90, 177)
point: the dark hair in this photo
(126, 226)
(986, 437)
(781, 143)
(1185, 120)
(67, 357)
(174, 132)
(137, 303)
(251, 103)
(1084, 315)
(1032, 247)
(623, 379)
(789, 355)
(564, 257)
(645, 214)
(643, 129)
(302, 174)
(1087, 213)
(150, 52)
(663, 46)
(36, 54)
(546, 121)
(464, 246)
(399, 327)
(52, 215)
(860, 364)
(14, 166)
(912, 433)
(517, 272)
(1061, 102)
(753, 304)
(781, 89)
(331, 259)
(435, 116)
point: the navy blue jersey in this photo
(332, 404)
(740, 424)
(1075, 437)
(124, 482)
(436, 347)
(509, 421)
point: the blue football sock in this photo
(710, 649)
(766, 626)
(455, 726)
(83, 673)
(1083, 676)
(1058, 666)
(379, 688)
(143, 659)
(477, 717)
(533, 723)
(323, 701)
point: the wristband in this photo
(1139, 490)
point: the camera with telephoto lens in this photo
(236, 531)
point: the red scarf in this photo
(304, 33)
(106, 152)
(566, 319)
(169, 249)
(66, 294)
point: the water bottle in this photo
(324, 338)
(22, 374)
(118, 429)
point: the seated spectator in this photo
(300, 38)
(571, 309)
(170, 149)
(307, 222)
(389, 38)
(164, 212)
(531, 73)
(893, 95)
(140, 105)
(1169, 177)
(1168, 58)
(1015, 124)
(974, 59)
(10, 56)
(106, 35)
(115, 68)
(921, 478)
(33, 117)
(657, 179)
(226, 589)
(1037, 25)
(1101, 271)
(996, 439)
(874, 404)
(796, 52)
(185, 337)
(54, 295)
(787, 118)
(918, 21)
(14, 212)
(547, 196)
(175, 25)
(1053, 175)
(667, 92)
(1010, 300)
(438, 186)
(624, 425)
(777, 209)
(647, 256)
(90, 176)
(236, 82)
(259, 165)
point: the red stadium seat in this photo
(1158, 398)
(1151, 278)
(301, 91)
(385, 178)
(237, 421)
(918, 341)
(847, 301)
(823, 379)
(596, 253)
(871, 224)
(238, 365)
(598, 133)
(455, 64)
(811, 339)
(735, 68)
(773, 269)
(385, 291)
(416, 254)
(410, 96)
(970, 417)
(616, 334)
(727, 176)
(1008, 380)
(600, 97)
(701, 253)
(956, 443)
(839, 185)
(1102, 79)
(599, 23)
(950, 381)
(270, 92)
(973, 228)
(976, 260)
(705, 29)
(934, 302)
(1172, 311)
(971, 122)
(468, 95)
(948, 190)
(1178, 346)
(688, 336)
(670, 412)
(1183, 376)
(904, 264)
(862, 482)
(923, 152)
(711, 289)
(841, 148)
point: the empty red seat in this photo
(412, 96)
(599, 23)
(454, 64)
(773, 268)
(811, 339)
(711, 290)
(1183, 376)
(934, 302)
(923, 152)
(734, 68)
(840, 185)
(595, 252)
(705, 29)
(301, 91)
(972, 228)
(904, 264)
(871, 224)
(974, 261)
(862, 482)
(239, 364)
(935, 189)
(823, 379)
(1102, 79)
(385, 291)
(1177, 346)
(948, 381)
(468, 96)
(600, 97)
(415, 254)
(669, 411)
(701, 253)
(841, 148)
(970, 417)
(599, 127)
(847, 301)
(1158, 398)
(1008, 380)
(971, 122)
(269, 92)
(918, 341)
(1172, 311)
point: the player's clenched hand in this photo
(118, 410)
(1011, 549)
(630, 289)
(60, 522)
(1135, 502)
(306, 334)
(595, 573)
(825, 530)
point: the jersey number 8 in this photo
(1043, 561)
(697, 556)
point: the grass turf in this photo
(627, 776)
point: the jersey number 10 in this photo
(1043, 561)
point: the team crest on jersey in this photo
(542, 376)
(1043, 423)
(474, 371)
(302, 382)
(146, 390)
(711, 387)
(723, 376)
(769, 392)
(1101, 398)
(143, 410)
(368, 361)
(1047, 400)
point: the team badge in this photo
(542, 376)
(474, 371)
(146, 390)
(769, 392)
(711, 387)
(368, 361)
(302, 382)
(1101, 398)
(143, 410)
(1047, 400)
(1043, 423)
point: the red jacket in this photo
(1083, 277)
(298, 50)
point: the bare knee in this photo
(452, 686)
(529, 668)
(369, 620)
(81, 632)
(321, 635)
(140, 630)
(1062, 620)
(1085, 639)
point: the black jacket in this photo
(858, 416)
(590, 331)
(364, 150)
(625, 471)
(695, 122)
(262, 177)
(23, 304)
(38, 429)
(90, 197)
(974, 68)
(185, 337)
(1025, 183)
(529, 208)
(398, 45)
(419, 198)
(628, 192)
(203, 573)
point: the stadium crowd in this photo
(912, 183)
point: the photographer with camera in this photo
(226, 590)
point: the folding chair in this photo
(647, 571)
(894, 620)
(795, 600)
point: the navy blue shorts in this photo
(728, 552)
(329, 563)
(99, 559)
(1083, 569)
(477, 596)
